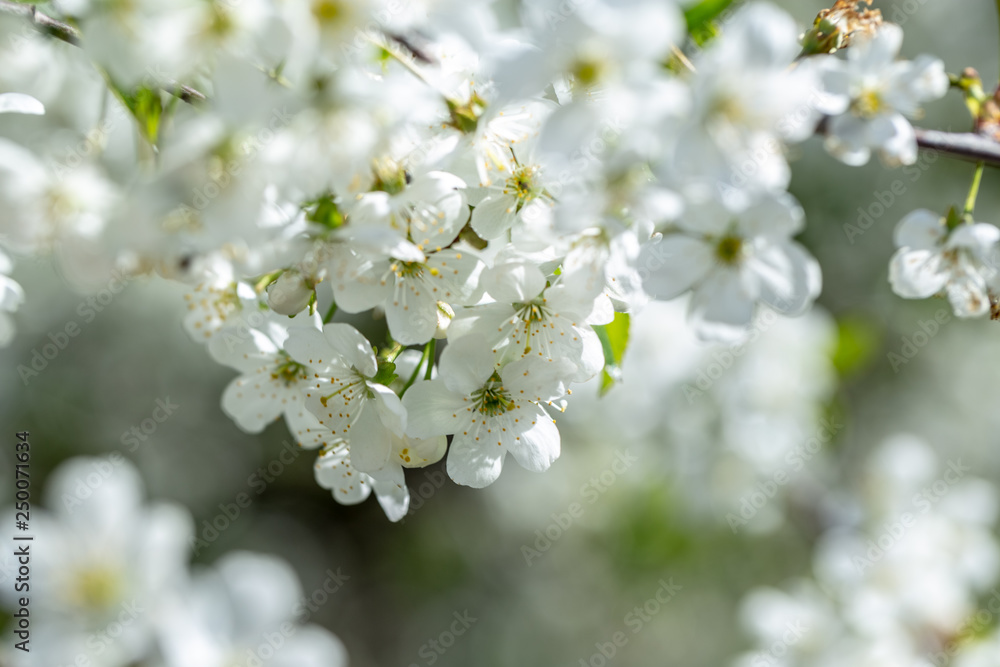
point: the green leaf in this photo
(324, 211)
(858, 339)
(700, 19)
(147, 108)
(614, 340)
(386, 374)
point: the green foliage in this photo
(857, 341)
(700, 19)
(147, 108)
(614, 340)
(325, 211)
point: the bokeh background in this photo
(663, 517)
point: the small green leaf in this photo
(325, 212)
(700, 19)
(147, 108)
(857, 340)
(614, 340)
(386, 374)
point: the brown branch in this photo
(961, 145)
(43, 23)
(71, 35)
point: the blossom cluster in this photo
(111, 585)
(508, 185)
(904, 574)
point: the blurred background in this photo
(653, 477)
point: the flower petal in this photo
(433, 410)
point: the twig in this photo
(963, 145)
(46, 24)
(71, 35)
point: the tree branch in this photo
(43, 23)
(962, 145)
(71, 35)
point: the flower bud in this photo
(289, 294)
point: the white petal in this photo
(370, 440)
(847, 139)
(920, 230)
(466, 364)
(538, 446)
(536, 379)
(457, 279)
(773, 217)
(390, 408)
(412, 312)
(433, 410)
(20, 103)
(979, 238)
(514, 281)
(471, 464)
(494, 216)
(873, 54)
(674, 264)
(916, 274)
(333, 471)
(306, 428)
(310, 347)
(352, 347)
(800, 283)
(389, 484)
(968, 296)
(248, 402)
(896, 139)
(721, 307)
(419, 452)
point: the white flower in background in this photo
(246, 610)
(48, 208)
(931, 258)
(749, 98)
(896, 575)
(532, 319)
(345, 391)
(334, 472)
(877, 94)
(271, 383)
(20, 103)
(731, 261)
(590, 50)
(102, 564)
(489, 412)
(11, 298)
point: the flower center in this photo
(587, 71)
(390, 176)
(96, 587)
(288, 370)
(465, 115)
(492, 400)
(523, 184)
(728, 108)
(347, 388)
(530, 312)
(407, 269)
(328, 11)
(868, 104)
(730, 249)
